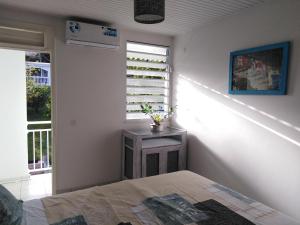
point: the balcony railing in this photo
(39, 146)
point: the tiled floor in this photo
(37, 186)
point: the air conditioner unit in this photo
(91, 35)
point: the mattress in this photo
(125, 201)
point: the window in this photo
(147, 78)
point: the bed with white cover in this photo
(125, 202)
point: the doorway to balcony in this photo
(26, 138)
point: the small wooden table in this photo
(146, 153)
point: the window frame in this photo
(169, 71)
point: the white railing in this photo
(39, 80)
(39, 147)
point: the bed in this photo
(138, 202)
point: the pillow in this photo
(11, 209)
(76, 220)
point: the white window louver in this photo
(13, 36)
(147, 78)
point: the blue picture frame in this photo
(260, 71)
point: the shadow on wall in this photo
(87, 170)
(201, 157)
(112, 138)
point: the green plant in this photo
(157, 115)
(38, 102)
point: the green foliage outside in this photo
(38, 109)
(145, 77)
(33, 71)
(145, 60)
(38, 102)
(147, 68)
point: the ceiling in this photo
(181, 15)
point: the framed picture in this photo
(259, 71)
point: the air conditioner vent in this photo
(80, 33)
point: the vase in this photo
(156, 128)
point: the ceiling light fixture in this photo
(149, 11)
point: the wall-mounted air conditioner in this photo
(91, 35)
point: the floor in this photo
(37, 186)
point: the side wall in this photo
(89, 87)
(250, 143)
(13, 116)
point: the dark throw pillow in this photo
(219, 214)
(11, 209)
(76, 220)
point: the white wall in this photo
(13, 117)
(91, 110)
(89, 103)
(230, 141)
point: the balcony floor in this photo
(37, 186)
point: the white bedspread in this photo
(122, 201)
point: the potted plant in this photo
(157, 116)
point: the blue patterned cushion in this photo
(76, 220)
(11, 209)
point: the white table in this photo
(146, 153)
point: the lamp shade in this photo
(149, 11)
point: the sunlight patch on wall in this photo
(198, 111)
(283, 122)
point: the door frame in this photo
(49, 47)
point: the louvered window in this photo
(147, 78)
